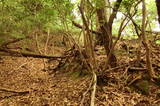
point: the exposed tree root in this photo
(84, 94)
(94, 89)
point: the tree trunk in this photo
(158, 9)
(145, 43)
(106, 36)
(106, 29)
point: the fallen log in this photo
(5, 44)
(23, 54)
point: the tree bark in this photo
(144, 42)
(106, 29)
(158, 9)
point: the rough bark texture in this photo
(158, 9)
(106, 29)
(106, 36)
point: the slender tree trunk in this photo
(158, 9)
(144, 41)
(107, 9)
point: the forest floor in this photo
(23, 82)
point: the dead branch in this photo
(80, 26)
(23, 54)
(134, 80)
(12, 91)
(132, 69)
(153, 32)
(12, 41)
(105, 71)
(94, 32)
(15, 93)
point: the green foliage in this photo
(99, 3)
(127, 4)
(2, 40)
(32, 6)
(79, 73)
(19, 18)
(143, 86)
(158, 42)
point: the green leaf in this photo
(158, 42)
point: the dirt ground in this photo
(23, 82)
(25, 74)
